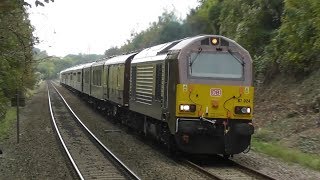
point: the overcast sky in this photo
(92, 26)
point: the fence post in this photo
(18, 130)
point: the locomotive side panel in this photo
(146, 89)
(172, 78)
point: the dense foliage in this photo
(167, 28)
(296, 44)
(17, 65)
(282, 36)
(16, 42)
(50, 66)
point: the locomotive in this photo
(194, 94)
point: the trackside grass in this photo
(287, 154)
(11, 116)
(6, 123)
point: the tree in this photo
(167, 28)
(295, 46)
(50, 66)
(198, 22)
(112, 51)
(16, 62)
(36, 2)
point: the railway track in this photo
(229, 170)
(88, 156)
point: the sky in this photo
(92, 26)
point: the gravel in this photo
(276, 168)
(90, 160)
(143, 159)
(38, 154)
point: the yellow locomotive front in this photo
(214, 97)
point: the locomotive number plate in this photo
(215, 92)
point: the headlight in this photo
(214, 41)
(187, 107)
(242, 110)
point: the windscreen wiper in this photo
(240, 61)
(194, 59)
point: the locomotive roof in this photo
(159, 52)
(187, 41)
(156, 50)
(154, 53)
(118, 59)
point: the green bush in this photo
(6, 123)
(265, 135)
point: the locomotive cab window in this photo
(215, 65)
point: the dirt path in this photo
(38, 154)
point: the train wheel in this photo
(172, 147)
(226, 156)
(115, 111)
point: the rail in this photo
(117, 162)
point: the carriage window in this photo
(79, 76)
(86, 77)
(215, 65)
(96, 77)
